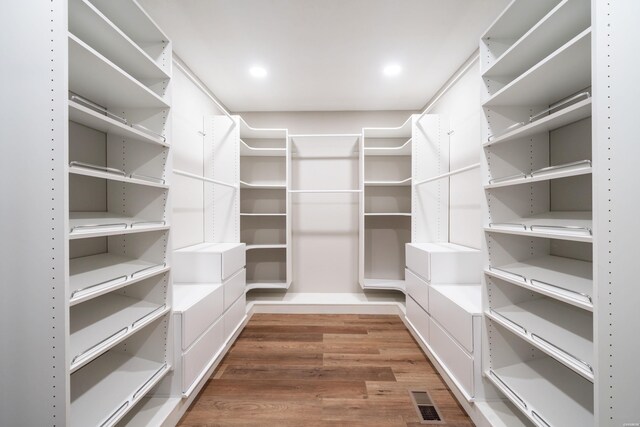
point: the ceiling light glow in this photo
(392, 70)
(258, 72)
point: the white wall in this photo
(462, 104)
(190, 106)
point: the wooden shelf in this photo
(573, 113)
(550, 225)
(96, 224)
(554, 172)
(90, 118)
(563, 332)
(93, 76)
(567, 19)
(101, 323)
(547, 386)
(105, 390)
(564, 72)
(565, 279)
(130, 179)
(95, 275)
(92, 27)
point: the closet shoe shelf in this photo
(582, 167)
(572, 225)
(96, 224)
(85, 169)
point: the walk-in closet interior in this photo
(190, 185)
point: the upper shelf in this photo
(264, 185)
(86, 116)
(97, 224)
(402, 182)
(545, 174)
(400, 150)
(566, 20)
(402, 131)
(91, 26)
(85, 169)
(95, 77)
(517, 18)
(132, 20)
(248, 132)
(573, 113)
(249, 150)
(564, 72)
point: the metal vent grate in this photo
(427, 411)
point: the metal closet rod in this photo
(203, 178)
(445, 175)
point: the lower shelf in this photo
(104, 391)
(151, 411)
(566, 225)
(266, 284)
(95, 224)
(393, 284)
(547, 392)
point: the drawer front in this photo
(196, 267)
(418, 318)
(234, 288)
(457, 322)
(417, 288)
(197, 358)
(419, 261)
(456, 360)
(197, 318)
(233, 260)
(234, 316)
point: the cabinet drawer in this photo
(234, 316)
(234, 287)
(455, 319)
(208, 262)
(417, 289)
(444, 262)
(418, 318)
(454, 358)
(197, 358)
(202, 313)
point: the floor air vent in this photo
(427, 411)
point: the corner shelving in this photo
(538, 288)
(264, 205)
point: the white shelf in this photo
(554, 392)
(387, 214)
(401, 150)
(400, 183)
(105, 390)
(96, 224)
(266, 284)
(564, 72)
(93, 76)
(90, 118)
(95, 275)
(563, 332)
(132, 20)
(573, 113)
(563, 22)
(468, 297)
(402, 131)
(274, 246)
(95, 29)
(151, 411)
(248, 132)
(555, 172)
(549, 225)
(248, 150)
(262, 185)
(99, 324)
(517, 18)
(263, 214)
(565, 279)
(395, 284)
(130, 179)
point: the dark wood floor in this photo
(322, 370)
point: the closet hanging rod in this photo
(325, 191)
(445, 175)
(205, 179)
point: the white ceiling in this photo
(324, 54)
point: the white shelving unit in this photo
(91, 263)
(539, 304)
(264, 212)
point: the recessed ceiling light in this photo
(258, 72)
(392, 70)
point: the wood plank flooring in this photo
(322, 370)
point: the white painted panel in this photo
(454, 358)
(197, 358)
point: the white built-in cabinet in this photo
(542, 170)
(400, 202)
